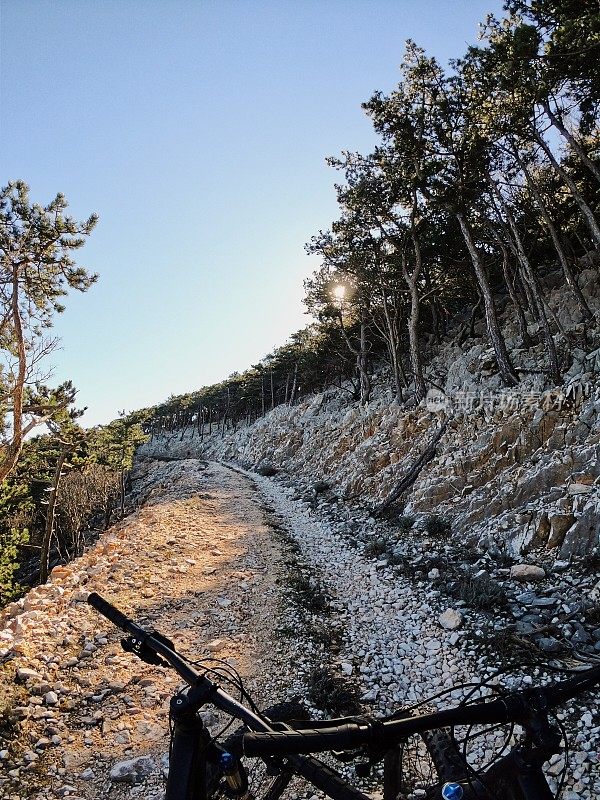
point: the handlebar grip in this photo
(566, 690)
(282, 743)
(109, 611)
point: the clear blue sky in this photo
(197, 131)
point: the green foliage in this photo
(114, 445)
(36, 272)
(14, 499)
(10, 542)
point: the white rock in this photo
(451, 619)
(527, 572)
(580, 488)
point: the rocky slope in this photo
(305, 595)
(514, 470)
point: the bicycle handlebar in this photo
(375, 732)
(352, 734)
(158, 644)
(113, 614)
(514, 707)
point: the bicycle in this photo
(203, 768)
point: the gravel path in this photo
(394, 642)
(214, 564)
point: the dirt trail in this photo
(200, 563)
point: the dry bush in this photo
(85, 499)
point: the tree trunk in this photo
(15, 446)
(585, 209)
(507, 371)
(411, 279)
(525, 337)
(531, 279)
(557, 122)
(49, 527)
(122, 493)
(413, 473)
(272, 392)
(570, 277)
(108, 510)
(362, 360)
(392, 338)
(294, 385)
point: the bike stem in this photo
(187, 762)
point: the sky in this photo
(198, 132)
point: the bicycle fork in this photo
(187, 759)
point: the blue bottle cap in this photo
(452, 791)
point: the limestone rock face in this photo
(584, 535)
(504, 467)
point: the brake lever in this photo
(137, 645)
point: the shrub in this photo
(376, 547)
(437, 526)
(266, 470)
(309, 593)
(332, 693)
(483, 593)
(10, 541)
(404, 522)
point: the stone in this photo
(559, 525)
(26, 674)
(584, 535)
(543, 527)
(580, 488)
(451, 619)
(549, 644)
(527, 572)
(370, 696)
(133, 771)
(51, 699)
